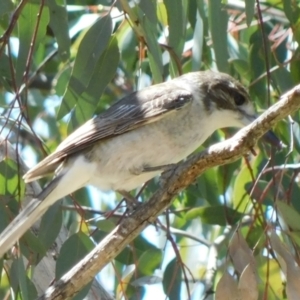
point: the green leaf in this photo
(6, 6)
(215, 215)
(218, 20)
(172, 280)
(1, 268)
(176, 10)
(295, 236)
(11, 183)
(259, 189)
(72, 251)
(290, 216)
(50, 225)
(198, 44)
(241, 198)
(20, 282)
(27, 23)
(250, 10)
(22, 279)
(4, 215)
(241, 66)
(126, 257)
(104, 71)
(31, 247)
(14, 276)
(59, 25)
(154, 52)
(291, 10)
(149, 8)
(283, 79)
(208, 187)
(93, 44)
(106, 225)
(177, 16)
(91, 47)
(149, 261)
(5, 74)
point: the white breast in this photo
(120, 161)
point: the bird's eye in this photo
(239, 99)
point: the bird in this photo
(132, 141)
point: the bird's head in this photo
(226, 101)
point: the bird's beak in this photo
(269, 137)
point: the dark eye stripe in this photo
(239, 99)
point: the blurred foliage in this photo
(62, 62)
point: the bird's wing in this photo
(134, 110)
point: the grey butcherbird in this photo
(124, 147)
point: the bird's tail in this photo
(27, 217)
(65, 183)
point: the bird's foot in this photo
(163, 168)
(131, 201)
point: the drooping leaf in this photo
(71, 252)
(215, 215)
(11, 184)
(250, 10)
(6, 6)
(104, 71)
(27, 24)
(218, 23)
(59, 24)
(149, 261)
(50, 225)
(93, 44)
(172, 280)
(289, 215)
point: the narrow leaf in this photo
(250, 9)
(92, 46)
(149, 261)
(27, 23)
(104, 71)
(59, 25)
(6, 6)
(289, 215)
(172, 280)
(218, 21)
(216, 215)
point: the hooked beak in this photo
(269, 137)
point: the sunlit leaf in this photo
(289, 215)
(149, 261)
(11, 183)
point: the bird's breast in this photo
(121, 159)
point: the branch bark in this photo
(172, 183)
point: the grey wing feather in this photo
(133, 111)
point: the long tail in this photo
(27, 217)
(68, 181)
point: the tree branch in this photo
(173, 182)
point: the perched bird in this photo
(134, 139)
